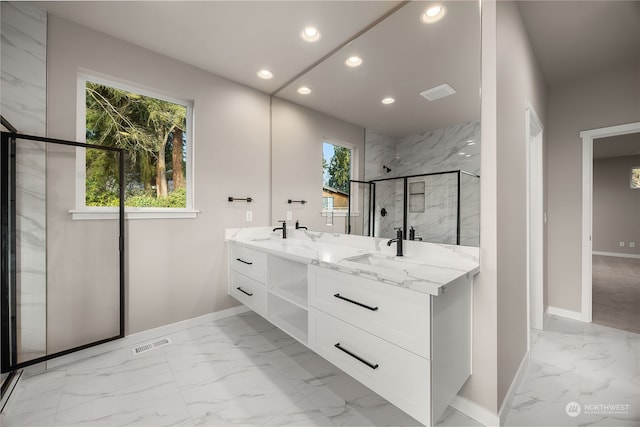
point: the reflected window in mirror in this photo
(338, 168)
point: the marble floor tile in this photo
(243, 371)
(590, 368)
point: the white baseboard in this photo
(517, 379)
(555, 311)
(616, 254)
(140, 337)
(475, 411)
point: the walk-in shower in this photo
(439, 207)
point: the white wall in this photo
(610, 97)
(296, 158)
(520, 83)
(175, 267)
(615, 204)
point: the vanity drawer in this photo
(249, 262)
(398, 375)
(251, 293)
(398, 315)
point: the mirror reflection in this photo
(397, 113)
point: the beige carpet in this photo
(616, 292)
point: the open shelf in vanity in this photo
(287, 303)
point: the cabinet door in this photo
(249, 262)
(251, 293)
(398, 315)
(396, 374)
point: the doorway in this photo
(587, 208)
(535, 220)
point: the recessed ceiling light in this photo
(470, 142)
(265, 74)
(461, 153)
(353, 61)
(433, 14)
(310, 34)
(303, 90)
(468, 155)
(388, 100)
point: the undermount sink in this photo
(384, 261)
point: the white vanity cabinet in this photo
(411, 347)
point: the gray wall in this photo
(615, 205)
(610, 97)
(481, 388)
(520, 82)
(175, 267)
(296, 158)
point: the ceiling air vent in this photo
(438, 92)
(143, 348)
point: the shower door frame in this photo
(405, 179)
(8, 355)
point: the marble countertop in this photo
(426, 267)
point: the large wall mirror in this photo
(396, 110)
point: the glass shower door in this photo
(62, 280)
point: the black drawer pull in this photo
(368, 307)
(243, 261)
(355, 356)
(244, 292)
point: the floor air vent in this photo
(143, 348)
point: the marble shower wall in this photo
(436, 150)
(23, 100)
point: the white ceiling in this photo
(617, 146)
(571, 38)
(235, 39)
(401, 58)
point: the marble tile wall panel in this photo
(23, 101)
(432, 151)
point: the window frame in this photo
(353, 175)
(633, 168)
(84, 212)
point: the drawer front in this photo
(398, 315)
(249, 262)
(398, 375)
(251, 293)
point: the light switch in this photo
(632, 244)
(622, 244)
(249, 216)
(289, 215)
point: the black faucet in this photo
(283, 228)
(412, 234)
(298, 226)
(398, 241)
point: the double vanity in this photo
(399, 325)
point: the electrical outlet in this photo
(632, 244)
(622, 244)
(249, 216)
(289, 215)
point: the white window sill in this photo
(139, 213)
(340, 213)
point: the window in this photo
(156, 133)
(635, 177)
(337, 170)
